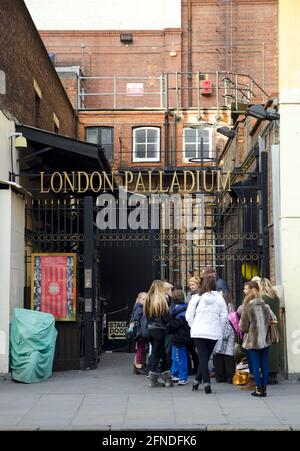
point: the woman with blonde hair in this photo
(255, 321)
(156, 310)
(271, 298)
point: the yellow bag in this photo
(240, 378)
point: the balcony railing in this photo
(175, 91)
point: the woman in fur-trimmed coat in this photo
(255, 321)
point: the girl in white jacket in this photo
(206, 315)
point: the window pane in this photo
(152, 135)
(190, 151)
(106, 136)
(190, 135)
(92, 135)
(151, 151)
(140, 151)
(140, 136)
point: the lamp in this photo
(20, 141)
(227, 132)
(259, 112)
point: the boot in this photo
(167, 378)
(258, 391)
(264, 391)
(153, 380)
(207, 388)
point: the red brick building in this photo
(191, 68)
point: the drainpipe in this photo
(166, 124)
(190, 66)
(174, 148)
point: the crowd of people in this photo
(177, 333)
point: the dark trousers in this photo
(224, 367)
(260, 364)
(158, 353)
(192, 357)
(205, 348)
(168, 349)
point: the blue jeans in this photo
(260, 364)
(179, 363)
(247, 352)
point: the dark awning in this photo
(52, 152)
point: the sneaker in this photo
(182, 382)
(175, 379)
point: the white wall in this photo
(5, 159)
(12, 271)
(5, 262)
(105, 14)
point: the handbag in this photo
(240, 378)
(234, 320)
(274, 332)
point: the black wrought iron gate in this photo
(63, 226)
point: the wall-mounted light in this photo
(230, 134)
(126, 38)
(259, 112)
(19, 141)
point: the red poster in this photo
(54, 285)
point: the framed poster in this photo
(53, 285)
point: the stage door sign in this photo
(53, 285)
(117, 330)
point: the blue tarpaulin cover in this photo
(32, 345)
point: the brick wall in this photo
(24, 59)
(237, 36)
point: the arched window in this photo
(146, 144)
(193, 140)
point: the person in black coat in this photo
(179, 332)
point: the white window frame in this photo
(136, 159)
(210, 130)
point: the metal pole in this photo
(78, 92)
(198, 93)
(265, 213)
(217, 94)
(166, 92)
(190, 64)
(88, 283)
(115, 92)
(161, 91)
(177, 94)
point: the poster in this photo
(53, 287)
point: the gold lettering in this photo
(139, 181)
(96, 190)
(225, 185)
(128, 179)
(53, 176)
(185, 188)
(79, 174)
(70, 183)
(212, 181)
(175, 181)
(42, 184)
(150, 189)
(109, 182)
(198, 187)
(161, 183)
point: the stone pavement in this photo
(112, 398)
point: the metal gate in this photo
(61, 226)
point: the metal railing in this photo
(173, 90)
